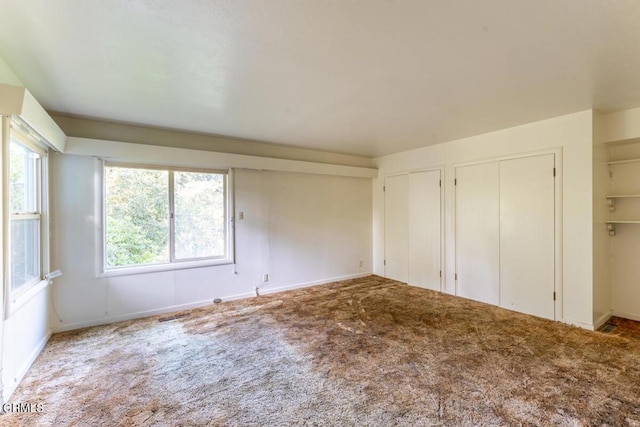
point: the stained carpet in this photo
(366, 351)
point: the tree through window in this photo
(158, 216)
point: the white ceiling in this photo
(365, 77)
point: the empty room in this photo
(310, 212)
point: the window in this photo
(25, 204)
(157, 216)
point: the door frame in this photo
(558, 284)
(441, 170)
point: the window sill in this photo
(24, 297)
(130, 271)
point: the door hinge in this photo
(440, 273)
(384, 188)
(554, 171)
(440, 183)
(455, 181)
(385, 262)
(456, 276)
(554, 296)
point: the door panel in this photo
(527, 258)
(396, 232)
(424, 229)
(478, 232)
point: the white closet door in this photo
(527, 259)
(424, 229)
(478, 232)
(396, 230)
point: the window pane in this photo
(25, 252)
(137, 216)
(199, 215)
(23, 171)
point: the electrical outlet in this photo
(240, 216)
(360, 264)
(265, 277)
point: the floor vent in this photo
(174, 317)
(608, 328)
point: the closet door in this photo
(424, 229)
(527, 222)
(396, 230)
(478, 232)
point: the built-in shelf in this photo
(620, 162)
(611, 225)
(622, 196)
(611, 198)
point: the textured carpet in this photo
(360, 352)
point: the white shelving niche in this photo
(624, 199)
(621, 268)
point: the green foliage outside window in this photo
(138, 216)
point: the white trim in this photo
(168, 266)
(202, 303)
(168, 168)
(159, 155)
(522, 155)
(267, 291)
(626, 315)
(16, 298)
(6, 129)
(559, 242)
(577, 323)
(142, 314)
(6, 214)
(23, 297)
(173, 263)
(171, 187)
(27, 136)
(18, 101)
(22, 371)
(602, 320)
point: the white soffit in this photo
(361, 77)
(17, 101)
(117, 151)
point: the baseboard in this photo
(149, 313)
(313, 283)
(600, 321)
(142, 314)
(578, 324)
(10, 388)
(624, 315)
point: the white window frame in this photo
(16, 128)
(173, 263)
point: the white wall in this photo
(601, 239)
(25, 334)
(573, 134)
(299, 228)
